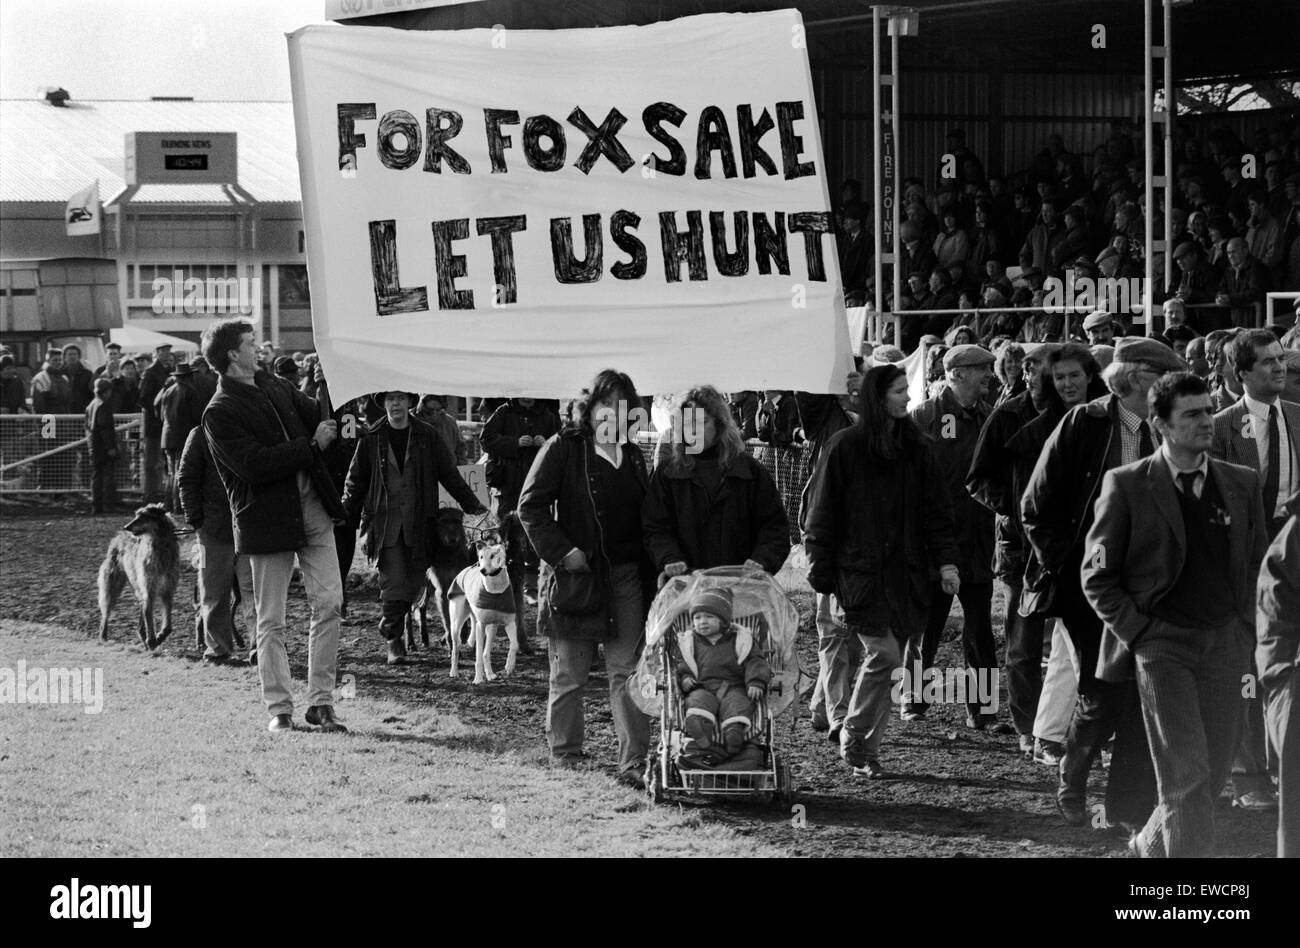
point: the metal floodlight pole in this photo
(1148, 144)
(877, 180)
(895, 103)
(1171, 112)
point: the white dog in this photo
(482, 593)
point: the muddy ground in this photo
(954, 791)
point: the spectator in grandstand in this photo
(81, 380)
(1184, 538)
(1021, 220)
(1277, 656)
(970, 168)
(13, 393)
(951, 247)
(1195, 283)
(1057, 512)
(1074, 241)
(1244, 284)
(1278, 202)
(879, 517)
(1198, 226)
(1263, 233)
(1234, 198)
(716, 506)
(1123, 256)
(1100, 328)
(953, 421)
(917, 256)
(581, 506)
(1220, 229)
(854, 246)
(985, 243)
(1043, 238)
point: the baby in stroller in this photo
(720, 675)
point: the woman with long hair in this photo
(710, 503)
(581, 508)
(879, 517)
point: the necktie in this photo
(1145, 447)
(1188, 480)
(1274, 462)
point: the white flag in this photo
(83, 213)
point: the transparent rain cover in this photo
(758, 602)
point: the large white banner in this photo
(507, 213)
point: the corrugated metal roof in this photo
(48, 153)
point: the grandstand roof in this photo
(49, 153)
(1212, 38)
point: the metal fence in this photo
(47, 454)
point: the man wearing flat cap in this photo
(953, 420)
(1057, 510)
(1194, 281)
(392, 493)
(1100, 328)
(152, 382)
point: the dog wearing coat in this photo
(146, 554)
(482, 594)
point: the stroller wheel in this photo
(784, 795)
(654, 779)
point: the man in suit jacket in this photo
(1173, 557)
(1056, 510)
(1261, 432)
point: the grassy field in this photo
(178, 764)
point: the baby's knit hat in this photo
(716, 601)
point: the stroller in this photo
(757, 772)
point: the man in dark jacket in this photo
(152, 382)
(778, 420)
(13, 393)
(266, 439)
(392, 491)
(1057, 510)
(81, 380)
(180, 405)
(207, 509)
(953, 421)
(101, 438)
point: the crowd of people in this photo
(972, 241)
(1139, 517)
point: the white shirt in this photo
(1203, 469)
(1259, 413)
